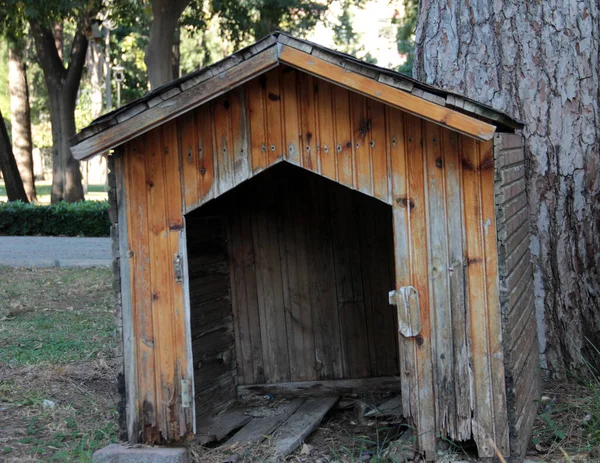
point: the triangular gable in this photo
(193, 90)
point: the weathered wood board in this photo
(261, 427)
(291, 434)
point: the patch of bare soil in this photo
(57, 413)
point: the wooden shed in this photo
(291, 219)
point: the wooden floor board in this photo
(301, 424)
(218, 427)
(260, 428)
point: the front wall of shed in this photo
(440, 187)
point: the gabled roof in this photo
(395, 89)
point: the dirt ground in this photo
(58, 389)
(58, 392)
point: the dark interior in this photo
(289, 280)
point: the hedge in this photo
(83, 218)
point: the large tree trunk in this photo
(539, 62)
(8, 166)
(162, 38)
(21, 119)
(62, 84)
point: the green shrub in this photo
(84, 218)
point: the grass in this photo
(568, 425)
(43, 188)
(57, 369)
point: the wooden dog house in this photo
(293, 219)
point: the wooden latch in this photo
(406, 300)
(178, 268)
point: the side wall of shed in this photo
(521, 349)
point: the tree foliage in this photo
(346, 38)
(407, 25)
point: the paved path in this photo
(47, 251)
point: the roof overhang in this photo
(189, 92)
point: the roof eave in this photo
(193, 90)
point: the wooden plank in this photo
(343, 136)
(292, 130)
(189, 158)
(325, 134)
(206, 155)
(397, 145)
(361, 126)
(258, 429)
(300, 287)
(373, 228)
(323, 298)
(252, 304)
(456, 275)
(270, 290)
(223, 144)
(301, 424)
(439, 284)
(177, 105)
(385, 284)
(275, 140)
(179, 317)
(127, 309)
(387, 94)
(473, 219)
(349, 283)
(143, 330)
(419, 258)
(490, 262)
(324, 388)
(257, 118)
(295, 284)
(379, 152)
(240, 134)
(160, 282)
(243, 343)
(306, 102)
(218, 427)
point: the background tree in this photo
(407, 25)
(345, 37)
(22, 145)
(46, 20)
(8, 166)
(538, 61)
(159, 54)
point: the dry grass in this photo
(568, 424)
(57, 372)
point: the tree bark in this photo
(21, 119)
(8, 165)
(158, 56)
(62, 84)
(538, 61)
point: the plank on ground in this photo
(301, 424)
(259, 428)
(218, 427)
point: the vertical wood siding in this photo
(440, 187)
(310, 270)
(154, 204)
